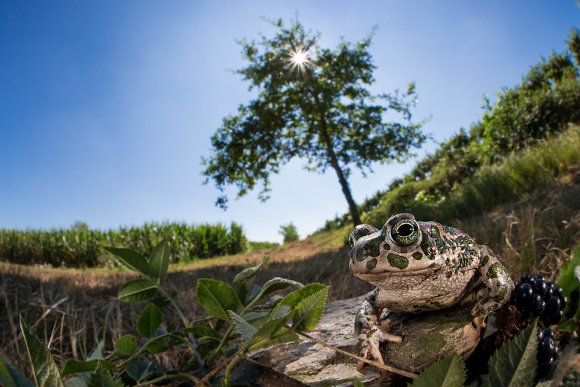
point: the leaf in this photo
(102, 378)
(281, 336)
(149, 321)
(132, 259)
(98, 352)
(137, 290)
(44, 368)
(161, 302)
(139, 370)
(159, 261)
(76, 366)
(242, 327)
(77, 381)
(10, 376)
(125, 346)
(204, 332)
(158, 344)
(243, 280)
(308, 312)
(514, 364)
(276, 284)
(297, 296)
(446, 372)
(569, 281)
(216, 297)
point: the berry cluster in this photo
(547, 352)
(533, 296)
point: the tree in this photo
(313, 103)
(289, 232)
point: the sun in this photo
(298, 60)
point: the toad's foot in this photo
(370, 343)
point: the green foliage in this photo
(10, 376)
(514, 364)
(459, 177)
(325, 112)
(448, 372)
(289, 232)
(43, 366)
(82, 247)
(569, 281)
(216, 297)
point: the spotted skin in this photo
(419, 266)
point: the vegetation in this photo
(289, 232)
(312, 102)
(545, 102)
(81, 247)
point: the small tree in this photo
(312, 103)
(289, 232)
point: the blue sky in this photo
(106, 107)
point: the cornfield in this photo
(82, 247)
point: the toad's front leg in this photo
(370, 330)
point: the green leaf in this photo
(76, 366)
(149, 321)
(161, 302)
(159, 261)
(158, 344)
(205, 332)
(10, 376)
(77, 381)
(446, 372)
(308, 312)
(281, 336)
(276, 284)
(102, 378)
(242, 327)
(216, 297)
(126, 346)
(132, 259)
(139, 370)
(514, 364)
(569, 281)
(243, 280)
(98, 352)
(137, 290)
(44, 368)
(297, 296)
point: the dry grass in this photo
(72, 309)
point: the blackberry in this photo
(547, 352)
(534, 296)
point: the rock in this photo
(426, 337)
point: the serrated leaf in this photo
(448, 372)
(102, 378)
(276, 284)
(10, 376)
(308, 312)
(294, 298)
(514, 364)
(76, 366)
(132, 259)
(44, 368)
(125, 346)
(243, 280)
(242, 327)
(137, 290)
(149, 321)
(216, 297)
(159, 261)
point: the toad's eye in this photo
(405, 232)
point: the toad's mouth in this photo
(379, 276)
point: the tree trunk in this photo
(339, 172)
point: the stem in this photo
(231, 366)
(371, 362)
(204, 381)
(184, 319)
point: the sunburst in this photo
(299, 60)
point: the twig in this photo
(371, 362)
